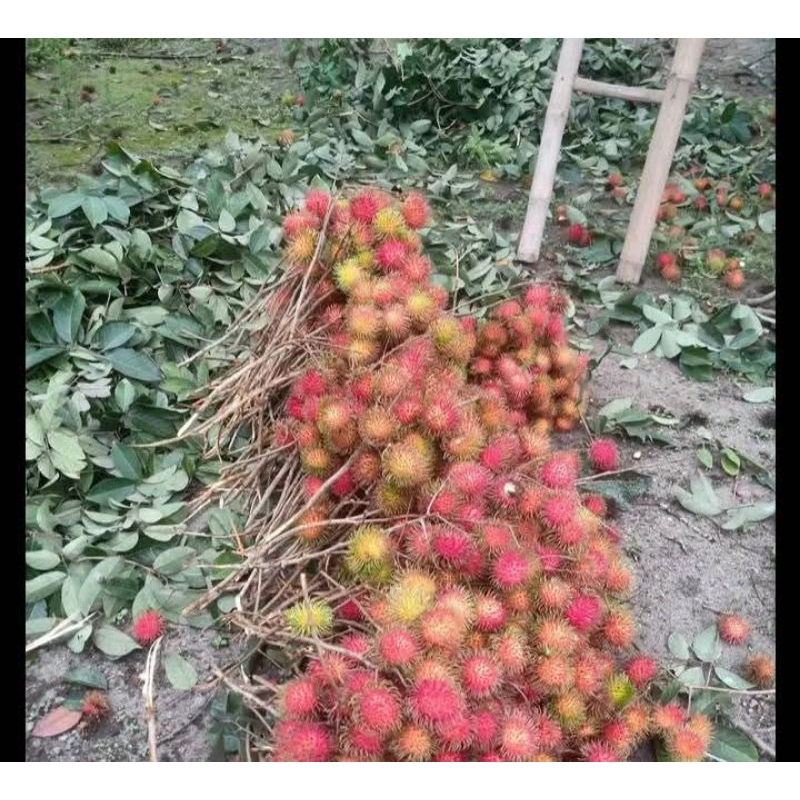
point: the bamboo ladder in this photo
(672, 100)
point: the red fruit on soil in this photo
(147, 627)
(672, 273)
(760, 668)
(614, 179)
(700, 203)
(734, 279)
(641, 670)
(666, 260)
(604, 455)
(619, 192)
(575, 233)
(733, 629)
(764, 190)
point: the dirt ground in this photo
(688, 568)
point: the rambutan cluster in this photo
(494, 600)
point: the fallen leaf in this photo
(56, 722)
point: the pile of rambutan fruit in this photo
(485, 616)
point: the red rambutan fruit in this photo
(490, 613)
(397, 647)
(365, 205)
(480, 675)
(390, 255)
(596, 504)
(416, 268)
(440, 416)
(604, 455)
(599, 751)
(560, 471)
(556, 636)
(554, 594)
(416, 211)
(760, 669)
(435, 700)
(317, 202)
(350, 611)
(512, 568)
(496, 536)
(618, 629)
(554, 672)
(366, 744)
(668, 717)
(300, 698)
(733, 629)
(685, 744)
(147, 627)
(302, 741)
(517, 736)
(469, 479)
(511, 651)
(501, 452)
(452, 545)
(378, 709)
(641, 670)
(558, 511)
(584, 612)
(297, 222)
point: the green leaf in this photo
(766, 221)
(84, 676)
(64, 204)
(174, 560)
(656, 315)
(705, 458)
(101, 259)
(702, 500)
(707, 645)
(134, 364)
(42, 560)
(362, 139)
(764, 394)
(118, 208)
(114, 334)
(39, 355)
(43, 586)
(96, 210)
(124, 394)
(181, 674)
(692, 677)
(126, 461)
(728, 744)
(647, 340)
(669, 343)
(67, 313)
(731, 679)
(731, 463)
(227, 224)
(747, 514)
(113, 642)
(110, 489)
(678, 646)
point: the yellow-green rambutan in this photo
(369, 554)
(362, 351)
(410, 597)
(396, 322)
(405, 466)
(333, 415)
(421, 309)
(317, 461)
(392, 500)
(569, 709)
(310, 618)
(302, 247)
(389, 223)
(377, 426)
(363, 321)
(349, 274)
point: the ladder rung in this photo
(637, 94)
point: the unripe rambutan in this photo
(604, 455)
(421, 308)
(363, 321)
(332, 415)
(147, 627)
(620, 690)
(301, 248)
(760, 669)
(310, 618)
(517, 736)
(584, 612)
(369, 552)
(312, 526)
(442, 628)
(378, 709)
(316, 461)
(570, 709)
(302, 741)
(618, 629)
(396, 322)
(490, 613)
(415, 210)
(512, 569)
(641, 670)
(410, 597)
(388, 223)
(360, 352)
(377, 426)
(416, 268)
(733, 629)
(435, 700)
(413, 743)
(405, 466)
(299, 698)
(348, 275)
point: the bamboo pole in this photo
(659, 159)
(636, 94)
(530, 239)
